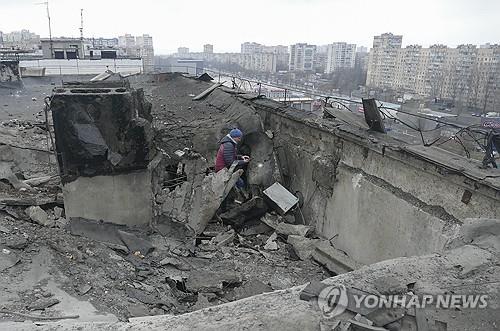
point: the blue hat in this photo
(235, 133)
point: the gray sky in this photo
(228, 23)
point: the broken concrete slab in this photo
(43, 303)
(384, 316)
(271, 244)
(276, 222)
(58, 212)
(293, 229)
(312, 290)
(176, 262)
(38, 215)
(333, 259)
(8, 259)
(83, 289)
(248, 289)
(195, 200)
(256, 229)
(359, 326)
(251, 209)
(303, 247)
(281, 198)
(223, 239)
(7, 174)
(134, 243)
(100, 231)
(207, 91)
(16, 242)
(208, 281)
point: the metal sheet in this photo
(281, 197)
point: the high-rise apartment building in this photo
(466, 75)
(302, 57)
(382, 60)
(340, 55)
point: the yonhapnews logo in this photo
(333, 301)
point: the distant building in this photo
(146, 51)
(183, 50)
(340, 55)
(467, 75)
(63, 48)
(251, 48)
(24, 40)
(302, 57)
(280, 51)
(208, 49)
(126, 41)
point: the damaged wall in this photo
(104, 145)
(376, 201)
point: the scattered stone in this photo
(83, 289)
(119, 248)
(3, 229)
(201, 303)
(362, 319)
(8, 259)
(134, 243)
(271, 244)
(248, 289)
(38, 215)
(16, 242)
(61, 222)
(207, 281)
(176, 262)
(333, 259)
(223, 239)
(252, 209)
(43, 303)
(142, 296)
(312, 290)
(303, 247)
(256, 229)
(137, 310)
(276, 222)
(292, 229)
(58, 212)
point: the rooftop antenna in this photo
(81, 24)
(46, 3)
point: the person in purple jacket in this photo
(228, 153)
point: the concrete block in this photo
(303, 247)
(38, 215)
(122, 199)
(333, 259)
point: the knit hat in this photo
(235, 133)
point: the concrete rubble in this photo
(123, 226)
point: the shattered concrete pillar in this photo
(104, 145)
(193, 196)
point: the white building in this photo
(340, 55)
(382, 60)
(302, 57)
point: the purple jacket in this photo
(226, 154)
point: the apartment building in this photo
(383, 59)
(466, 75)
(302, 57)
(340, 55)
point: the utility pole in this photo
(46, 3)
(81, 24)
